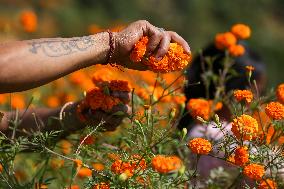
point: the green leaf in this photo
(119, 113)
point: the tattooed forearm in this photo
(61, 47)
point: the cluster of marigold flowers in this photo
(174, 60)
(101, 98)
(229, 40)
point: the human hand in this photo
(111, 118)
(158, 45)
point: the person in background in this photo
(28, 64)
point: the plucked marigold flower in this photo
(200, 146)
(202, 108)
(98, 100)
(245, 127)
(166, 164)
(241, 156)
(267, 184)
(225, 40)
(139, 50)
(243, 95)
(241, 31)
(254, 171)
(84, 172)
(102, 185)
(29, 21)
(275, 110)
(236, 50)
(280, 93)
(174, 60)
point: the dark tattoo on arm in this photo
(61, 47)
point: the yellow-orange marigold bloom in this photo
(275, 110)
(254, 171)
(241, 31)
(29, 21)
(84, 172)
(236, 50)
(245, 127)
(225, 40)
(243, 95)
(138, 162)
(18, 101)
(166, 164)
(102, 185)
(139, 50)
(241, 156)
(200, 146)
(280, 93)
(98, 166)
(267, 184)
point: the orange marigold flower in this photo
(66, 147)
(53, 102)
(29, 21)
(98, 100)
(119, 85)
(113, 156)
(102, 185)
(74, 187)
(179, 99)
(245, 127)
(142, 93)
(174, 60)
(254, 171)
(280, 93)
(84, 172)
(166, 164)
(119, 167)
(231, 159)
(250, 68)
(98, 166)
(200, 146)
(138, 162)
(1, 168)
(236, 50)
(88, 141)
(241, 31)
(241, 156)
(243, 95)
(18, 101)
(225, 40)
(202, 108)
(3, 98)
(275, 110)
(267, 184)
(78, 163)
(139, 50)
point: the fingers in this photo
(155, 36)
(123, 96)
(164, 46)
(177, 38)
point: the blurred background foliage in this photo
(196, 20)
